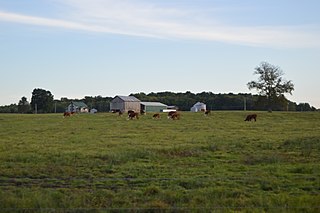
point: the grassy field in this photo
(104, 162)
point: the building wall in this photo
(135, 106)
(153, 108)
(118, 104)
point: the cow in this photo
(142, 112)
(251, 117)
(170, 114)
(156, 116)
(133, 115)
(130, 111)
(67, 114)
(207, 112)
(175, 116)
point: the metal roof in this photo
(153, 104)
(79, 104)
(128, 98)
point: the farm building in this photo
(93, 111)
(77, 106)
(125, 103)
(198, 107)
(152, 106)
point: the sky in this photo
(78, 48)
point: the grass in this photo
(104, 162)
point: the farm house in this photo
(152, 106)
(77, 106)
(125, 103)
(198, 107)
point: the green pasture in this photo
(103, 162)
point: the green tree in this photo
(270, 83)
(23, 105)
(42, 101)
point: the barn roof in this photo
(199, 104)
(153, 104)
(128, 98)
(79, 104)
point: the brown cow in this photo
(175, 116)
(133, 115)
(156, 116)
(67, 114)
(170, 114)
(207, 112)
(130, 111)
(251, 117)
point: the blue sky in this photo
(77, 48)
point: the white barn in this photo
(198, 107)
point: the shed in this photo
(152, 106)
(125, 103)
(93, 111)
(77, 106)
(198, 107)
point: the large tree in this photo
(270, 83)
(23, 105)
(42, 101)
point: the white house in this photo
(198, 107)
(77, 106)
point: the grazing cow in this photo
(142, 112)
(207, 112)
(251, 117)
(67, 114)
(130, 111)
(156, 116)
(115, 110)
(133, 115)
(170, 114)
(175, 116)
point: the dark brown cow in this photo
(142, 112)
(170, 114)
(156, 116)
(130, 111)
(175, 116)
(251, 117)
(207, 112)
(133, 115)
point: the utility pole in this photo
(36, 108)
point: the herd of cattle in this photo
(135, 115)
(174, 115)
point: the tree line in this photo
(42, 101)
(270, 85)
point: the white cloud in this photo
(136, 18)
